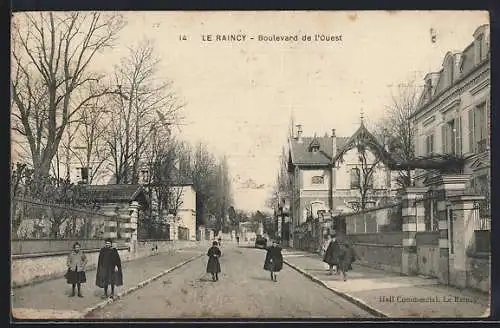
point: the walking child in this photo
(213, 265)
(274, 260)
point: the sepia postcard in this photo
(250, 164)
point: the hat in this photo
(108, 240)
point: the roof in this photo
(115, 192)
(301, 154)
(368, 139)
(466, 64)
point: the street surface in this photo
(244, 290)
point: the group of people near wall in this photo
(339, 255)
(109, 269)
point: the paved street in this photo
(243, 291)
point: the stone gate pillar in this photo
(444, 187)
(413, 221)
(132, 225)
(461, 233)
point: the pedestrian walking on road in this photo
(332, 254)
(109, 268)
(75, 276)
(213, 265)
(238, 240)
(274, 260)
(347, 256)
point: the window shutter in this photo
(459, 136)
(444, 139)
(470, 124)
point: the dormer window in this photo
(314, 146)
(449, 71)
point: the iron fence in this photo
(32, 219)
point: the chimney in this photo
(299, 133)
(334, 144)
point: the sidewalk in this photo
(50, 299)
(390, 295)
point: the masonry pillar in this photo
(110, 224)
(461, 233)
(413, 221)
(131, 227)
(443, 187)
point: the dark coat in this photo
(213, 265)
(331, 255)
(274, 259)
(109, 259)
(347, 256)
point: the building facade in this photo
(453, 116)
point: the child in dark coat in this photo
(213, 265)
(274, 260)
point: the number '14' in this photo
(182, 37)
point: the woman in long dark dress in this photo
(347, 256)
(274, 260)
(109, 268)
(75, 276)
(213, 265)
(332, 254)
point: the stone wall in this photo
(379, 250)
(479, 272)
(27, 269)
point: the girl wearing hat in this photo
(76, 263)
(213, 265)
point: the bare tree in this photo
(51, 60)
(396, 126)
(149, 101)
(364, 180)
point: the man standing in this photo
(109, 268)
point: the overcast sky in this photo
(240, 95)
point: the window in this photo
(429, 144)
(478, 129)
(479, 47)
(451, 136)
(318, 180)
(369, 183)
(355, 178)
(449, 71)
(84, 173)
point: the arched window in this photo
(318, 180)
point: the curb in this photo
(346, 296)
(142, 284)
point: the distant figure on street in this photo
(274, 260)
(109, 268)
(346, 257)
(75, 276)
(220, 241)
(213, 265)
(332, 254)
(237, 240)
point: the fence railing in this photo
(34, 220)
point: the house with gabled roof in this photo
(323, 173)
